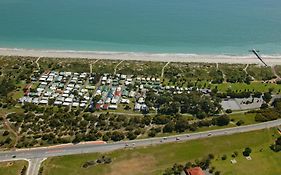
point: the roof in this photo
(194, 171)
(98, 106)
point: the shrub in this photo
(5, 133)
(228, 111)
(240, 122)
(247, 152)
(277, 146)
(224, 157)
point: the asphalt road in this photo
(38, 154)
(34, 166)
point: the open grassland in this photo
(12, 168)
(263, 162)
(155, 159)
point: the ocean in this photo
(229, 27)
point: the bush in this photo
(264, 106)
(247, 152)
(240, 122)
(228, 111)
(152, 133)
(88, 164)
(277, 146)
(211, 156)
(41, 170)
(222, 120)
(107, 160)
(117, 136)
(131, 135)
(224, 157)
(23, 170)
(5, 133)
(217, 173)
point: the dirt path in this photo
(38, 66)
(91, 65)
(163, 69)
(245, 70)
(274, 72)
(115, 69)
(91, 68)
(8, 126)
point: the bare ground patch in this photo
(136, 165)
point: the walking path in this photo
(115, 69)
(245, 70)
(274, 72)
(38, 66)
(163, 69)
(91, 68)
(8, 126)
(91, 65)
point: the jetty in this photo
(258, 56)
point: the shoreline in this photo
(142, 56)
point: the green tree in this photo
(247, 151)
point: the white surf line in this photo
(115, 69)
(163, 69)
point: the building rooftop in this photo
(194, 171)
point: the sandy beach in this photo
(248, 59)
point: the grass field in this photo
(155, 159)
(12, 168)
(247, 118)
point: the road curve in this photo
(60, 150)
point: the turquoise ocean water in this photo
(164, 26)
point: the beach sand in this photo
(231, 59)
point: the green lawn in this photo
(12, 168)
(155, 159)
(247, 118)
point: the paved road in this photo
(37, 154)
(34, 166)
